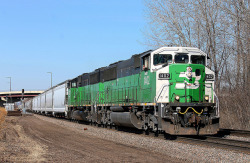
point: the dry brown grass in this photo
(3, 113)
(235, 109)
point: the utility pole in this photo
(50, 78)
(10, 89)
(52, 91)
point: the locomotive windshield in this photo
(181, 58)
(162, 58)
(198, 59)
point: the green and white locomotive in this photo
(169, 90)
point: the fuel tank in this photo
(126, 119)
(117, 109)
(79, 115)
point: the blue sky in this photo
(66, 37)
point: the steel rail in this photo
(243, 133)
(227, 144)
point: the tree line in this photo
(221, 29)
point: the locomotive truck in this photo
(169, 90)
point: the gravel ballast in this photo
(188, 152)
(237, 138)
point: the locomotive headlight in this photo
(189, 69)
(189, 74)
(177, 98)
(206, 98)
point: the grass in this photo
(3, 113)
(235, 110)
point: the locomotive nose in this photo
(188, 80)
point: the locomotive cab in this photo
(185, 96)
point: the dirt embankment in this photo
(44, 139)
(30, 139)
(15, 144)
(3, 113)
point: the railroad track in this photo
(207, 141)
(216, 142)
(241, 133)
(211, 141)
(14, 113)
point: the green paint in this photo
(147, 87)
(72, 96)
(192, 95)
(138, 88)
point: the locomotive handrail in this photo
(161, 89)
(217, 104)
(217, 100)
(204, 84)
(123, 98)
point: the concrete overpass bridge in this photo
(14, 96)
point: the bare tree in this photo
(239, 15)
(191, 23)
(218, 27)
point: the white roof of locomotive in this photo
(194, 51)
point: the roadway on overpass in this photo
(19, 93)
(15, 96)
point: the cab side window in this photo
(73, 85)
(145, 63)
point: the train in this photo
(167, 90)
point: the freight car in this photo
(169, 90)
(51, 102)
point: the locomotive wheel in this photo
(117, 128)
(147, 132)
(156, 133)
(170, 137)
